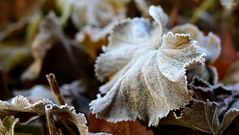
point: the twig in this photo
(50, 120)
(55, 88)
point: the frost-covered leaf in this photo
(20, 106)
(203, 71)
(67, 114)
(212, 110)
(149, 73)
(209, 44)
(7, 125)
(200, 116)
(204, 116)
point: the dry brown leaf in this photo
(145, 64)
(120, 128)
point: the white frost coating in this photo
(149, 79)
(158, 14)
(65, 113)
(210, 44)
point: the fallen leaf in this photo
(143, 66)
(124, 127)
(204, 117)
(64, 113)
(210, 44)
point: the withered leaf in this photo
(64, 113)
(149, 78)
(204, 116)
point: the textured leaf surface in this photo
(205, 117)
(212, 110)
(149, 78)
(64, 113)
(210, 44)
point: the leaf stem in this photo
(50, 120)
(55, 88)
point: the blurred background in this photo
(64, 37)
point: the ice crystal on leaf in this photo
(20, 104)
(149, 71)
(210, 44)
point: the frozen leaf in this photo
(67, 114)
(200, 116)
(209, 44)
(64, 113)
(73, 93)
(204, 91)
(204, 116)
(205, 72)
(144, 65)
(212, 110)
(7, 125)
(22, 104)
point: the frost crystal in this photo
(149, 71)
